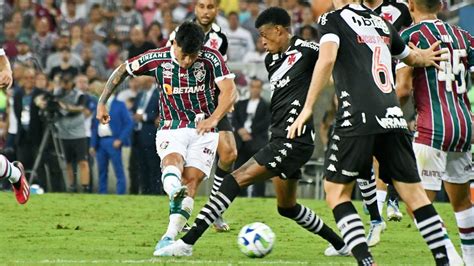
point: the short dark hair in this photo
(275, 16)
(190, 37)
(430, 6)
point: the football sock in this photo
(381, 196)
(352, 230)
(8, 170)
(178, 218)
(465, 221)
(218, 177)
(310, 221)
(431, 228)
(392, 193)
(214, 208)
(369, 196)
(171, 178)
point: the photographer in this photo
(71, 130)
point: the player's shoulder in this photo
(216, 28)
(211, 54)
(305, 46)
(410, 30)
(331, 15)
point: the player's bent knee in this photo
(288, 212)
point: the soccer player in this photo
(186, 140)
(14, 172)
(289, 64)
(444, 123)
(206, 12)
(358, 45)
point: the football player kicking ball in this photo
(186, 139)
(290, 65)
(14, 172)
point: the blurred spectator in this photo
(131, 92)
(91, 73)
(251, 120)
(308, 33)
(249, 24)
(71, 131)
(107, 141)
(80, 6)
(138, 44)
(28, 137)
(42, 42)
(179, 12)
(113, 55)
(98, 22)
(148, 9)
(145, 112)
(99, 51)
(294, 9)
(70, 18)
(48, 10)
(125, 20)
(155, 36)
(54, 59)
(240, 40)
(257, 56)
(65, 67)
(24, 56)
(168, 24)
(26, 10)
(9, 40)
(89, 60)
(243, 11)
(76, 36)
(230, 6)
(22, 27)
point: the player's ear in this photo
(411, 5)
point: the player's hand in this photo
(5, 79)
(206, 125)
(102, 114)
(138, 117)
(430, 56)
(296, 129)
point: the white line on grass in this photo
(155, 260)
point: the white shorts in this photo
(435, 166)
(198, 151)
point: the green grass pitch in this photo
(75, 229)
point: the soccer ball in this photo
(256, 240)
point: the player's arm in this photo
(5, 71)
(321, 76)
(117, 77)
(227, 98)
(404, 84)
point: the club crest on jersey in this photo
(135, 65)
(393, 119)
(373, 21)
(199, 71)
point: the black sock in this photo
(392, 193)
(218, 178)
(311, 222)
(368, 190)
(431, 228)
(214, 208)
(352, 229)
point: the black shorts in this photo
(284, 157)
(350, 158)
(225, 125)
(75, 150)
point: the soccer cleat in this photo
(220, 225)
(176, 249)
(365, 209)
(393, 211)
(21, 188)
(332, 252)
(177, 196)
(165, 241)
(376, 229)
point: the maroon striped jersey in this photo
(444, 116)
(186, 95)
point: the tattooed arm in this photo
(117, 77)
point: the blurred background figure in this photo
(251, 120)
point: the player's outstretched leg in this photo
(369, 196)
(227, 151)
(171, 179)
(15, 173)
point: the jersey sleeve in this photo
(2, 52)
(219, 67)
(398, 47)
(329, 29)
(143, 64)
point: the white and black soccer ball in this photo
(256, 240)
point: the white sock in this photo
(171, 178)
(178, 220)
(465, 221)
(8, 170)
(381, 195)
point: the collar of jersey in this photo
(172, 55)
